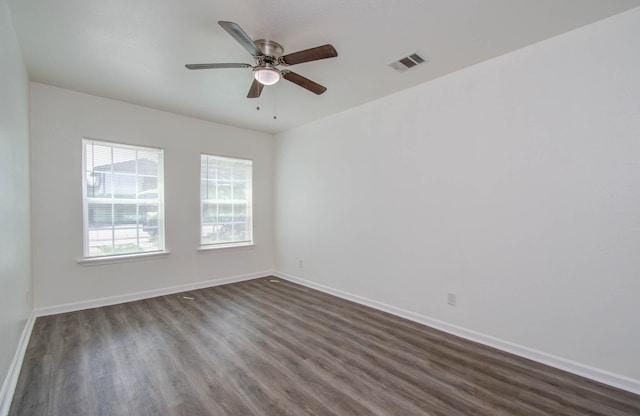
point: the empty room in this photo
(416, 207)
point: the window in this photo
(123, 199)
(225, 201)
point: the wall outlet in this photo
(451, 299)
(300, 264)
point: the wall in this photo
(15, 253)
(60, 118)
(514, 184)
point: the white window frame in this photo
(248, 200)
(160, 237)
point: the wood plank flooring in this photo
(271, 347)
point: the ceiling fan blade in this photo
(241, 37)
(306, 83)
(313, 54)
(216, 66)
(255, 90)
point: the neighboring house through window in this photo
(225, 201)
(123, 199)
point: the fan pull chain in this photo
(275, 103)
(258, 104)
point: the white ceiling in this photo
(135, 51)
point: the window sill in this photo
(125, 258)
(216, 247)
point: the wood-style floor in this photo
(270, 347)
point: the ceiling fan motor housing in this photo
(270, 48)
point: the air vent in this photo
(408, 62)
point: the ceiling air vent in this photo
(408, 62)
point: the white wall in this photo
(15, 253)
(514, 184)
(59, 120)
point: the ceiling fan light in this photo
(266, 75)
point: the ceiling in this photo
(135, 51)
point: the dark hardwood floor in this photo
(270, 347)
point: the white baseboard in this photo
(596, 374)
(130, 297)
(10, 382)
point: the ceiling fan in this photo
(268, 56)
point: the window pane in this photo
(124, 185)
(99, 215)
(209, 213)
(124, 160)
(239, 191)
(225, 213)
(212, 189)
(97, 156)
(125, 214)
(225, 192)
(123, 199)
(224, 172)
(147, 163)
(147, 184)
(240, 174)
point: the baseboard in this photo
(596, 374)
(130, 297)
(10, 382)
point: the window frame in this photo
(248, 200)
(86, 200)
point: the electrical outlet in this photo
(451, 299)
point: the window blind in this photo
(123, 199)
(225, 200)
